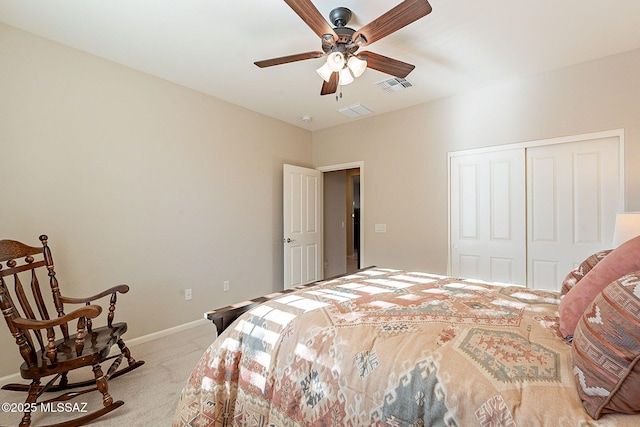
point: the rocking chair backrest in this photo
(21, 296)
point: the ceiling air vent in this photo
(395, 84)
(355, 110)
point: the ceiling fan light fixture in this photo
(325, 72)
(356, 65)
(345, 77)
(335, 61)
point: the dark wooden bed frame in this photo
(225, 316)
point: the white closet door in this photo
(573, 196)
(488, 225)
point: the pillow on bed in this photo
(622, 260)
(580, 271)
(606, 350)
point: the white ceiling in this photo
(210, 45)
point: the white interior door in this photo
(573, 196)
(488, 226)
(302, 225)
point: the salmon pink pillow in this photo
(621, 261)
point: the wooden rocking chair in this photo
(44, 354)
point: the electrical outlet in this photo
(226, 286)
(187, 294)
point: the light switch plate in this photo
(381, 228)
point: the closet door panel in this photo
(488, 216)
(573, 195)
(544, 209)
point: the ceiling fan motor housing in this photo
(340, 16)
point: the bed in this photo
(384, 347)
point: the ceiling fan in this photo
(341, 43)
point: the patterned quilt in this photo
(391, 348)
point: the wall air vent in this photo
(355, 110)
(395, 84)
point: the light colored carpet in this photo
(150, 393)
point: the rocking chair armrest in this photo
(123, 289)
(90, 311)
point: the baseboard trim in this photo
(170, 331)
(12, 378)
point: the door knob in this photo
(289, 240)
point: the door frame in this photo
(345, 166)
(619, 133)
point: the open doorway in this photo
(342, 214)
(353, 220)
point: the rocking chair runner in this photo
(44, 354)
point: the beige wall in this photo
(140, 181)
(405, 152)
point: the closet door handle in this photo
(289, 240)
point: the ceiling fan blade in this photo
(312, 17)
(331, 86)
(400, 16)
(290, 58)
(387, 65)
